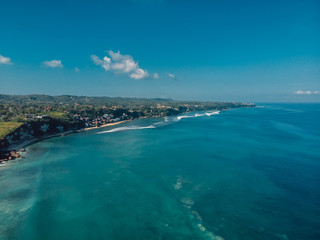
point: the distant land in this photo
(28, 118)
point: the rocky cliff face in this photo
(35, 129)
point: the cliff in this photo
(34, 130)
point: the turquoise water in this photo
(243, 174)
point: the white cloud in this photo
(105, 63)
(156, 76)
(308, 92)
(139, 74)
(53, 63)
(116, 56)
(171, 75)
(119, 63)
(5, 60)
(125, 66)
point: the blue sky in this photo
(260, 51)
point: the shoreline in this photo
(106, 125)
(17, 148)
(62, 134)
(20, 147)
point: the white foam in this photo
(199, 115)
(167, 120)
(126, 128)
(159, 123)
(171, 119)
(184, 116)
(212, 113)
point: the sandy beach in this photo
(105, 125)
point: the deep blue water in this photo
(249, 174)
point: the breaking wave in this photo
(126, 128)
(198, 115)
(184, 116)
(167, 120)
(212, 113)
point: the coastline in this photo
(20, 146)
(62, 134)
(17, 148)
(29, 142)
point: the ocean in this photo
(243, 174)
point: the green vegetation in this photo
(61, 115)
(7, 127)
(27, 107)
